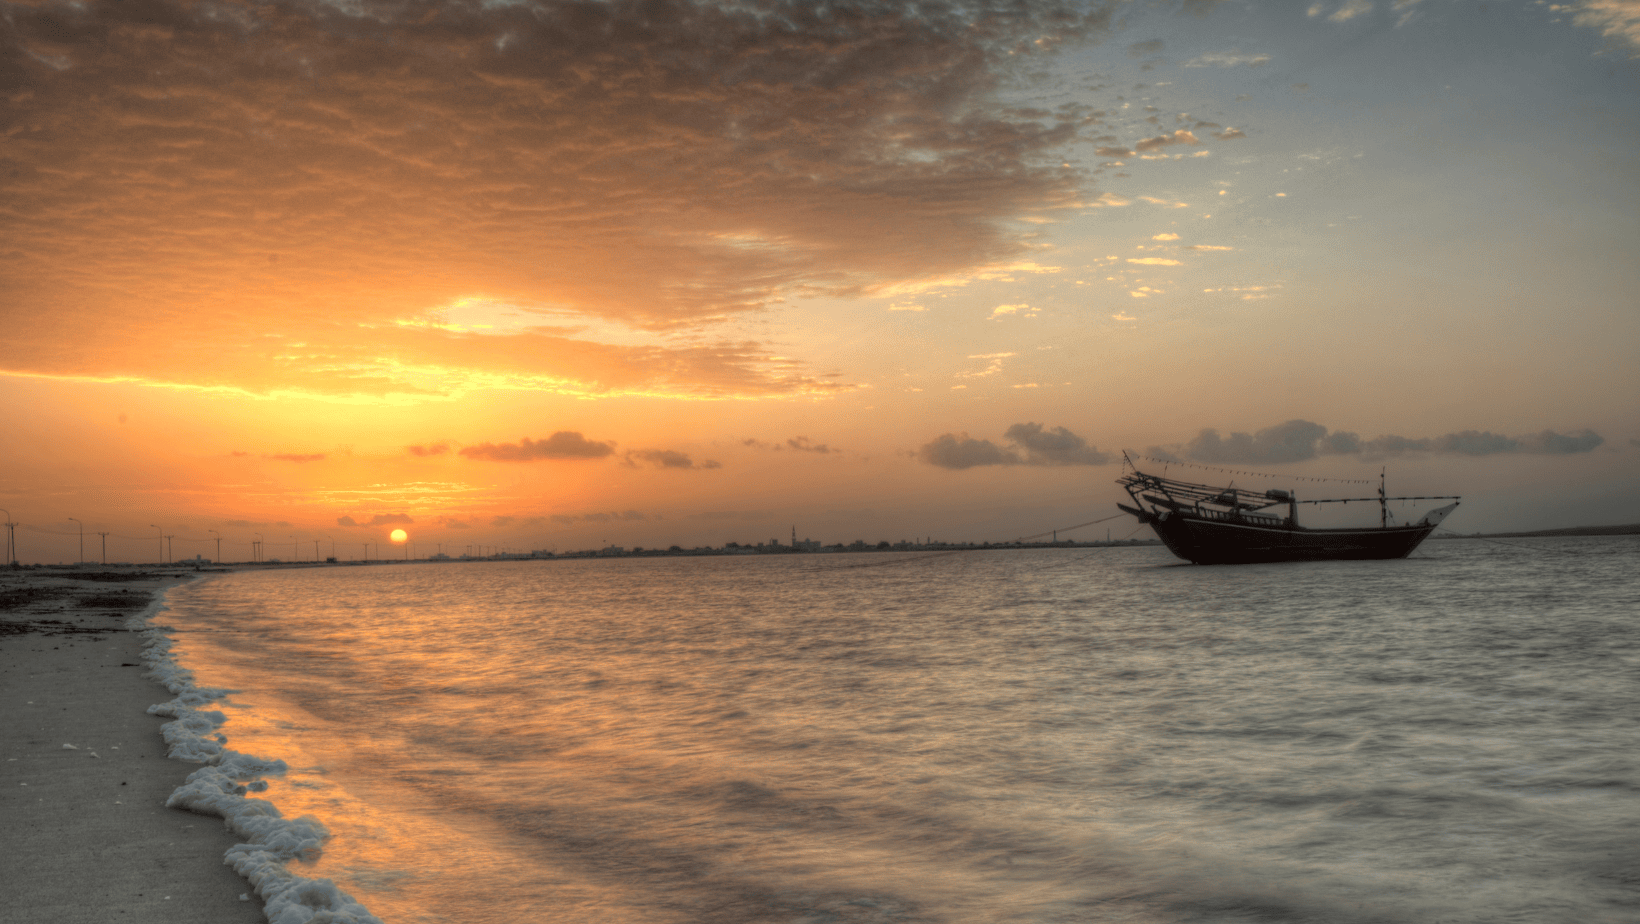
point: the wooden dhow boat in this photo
(1228, 525)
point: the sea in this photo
(1033, 736)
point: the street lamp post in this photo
(161, 538)
(256, 553)
(295, 549)
(218, 545)
(11, 538)
(82, 540)
(104, 547)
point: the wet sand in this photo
(83, 772)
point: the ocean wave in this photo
(220, 788)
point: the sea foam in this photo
(220, 786)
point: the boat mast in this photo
(1383, 501)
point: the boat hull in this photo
(1220, 542)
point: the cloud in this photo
(654, 166)
(1228, 60)
(1155, 261)
(431, 449)
(1141, 49)
(453, 523)
(1108, 151)
(960, 451)
(1181, 136)
(1618, 19)
(595, 517)
(1292, 441)
(1165, 236)
(346, 521)
(1300, 440)
(387, 519)
(296, 457)
(1230, 134)
(1023, 310)
(1350, 10)
(1208, 247)
(803, 444)
(565, 444)
(1058, 446)
(501, 521)
(796, 443)
(1034, 445)
(666, 458)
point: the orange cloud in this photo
(251, 202)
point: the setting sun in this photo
(399, 535)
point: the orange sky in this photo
(557, 274)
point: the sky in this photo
(562, 275)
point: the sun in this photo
(399, 535)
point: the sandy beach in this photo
(83, 774)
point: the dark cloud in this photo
(1289, 442)
(388, 519)
(453, 523)
(656, 162)
(346, 521)
(1140, 49)
(667, 458)
(960, 451)
(1058, 446)
(1230, 134)
(1113, 152)
(1551, 442)
(296, 456)
(1033, 444)
(803, 444)
(565, 444)
(1298, 440)
(244, 524)
(431, 449)
(237, 454)
(502, 521)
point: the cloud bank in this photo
(1030, 444)
(1301, 440)
(330, 170)
(565, 444)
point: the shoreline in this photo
(84, 775)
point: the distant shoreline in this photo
(1629, 529)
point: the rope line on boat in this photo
(1512, 545)
(944, 553)
(1237, 471)
(1066, 529)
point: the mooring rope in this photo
(1511, 545)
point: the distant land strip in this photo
(1631, 529)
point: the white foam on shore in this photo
(220, 787)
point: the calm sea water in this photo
(1034, 736)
